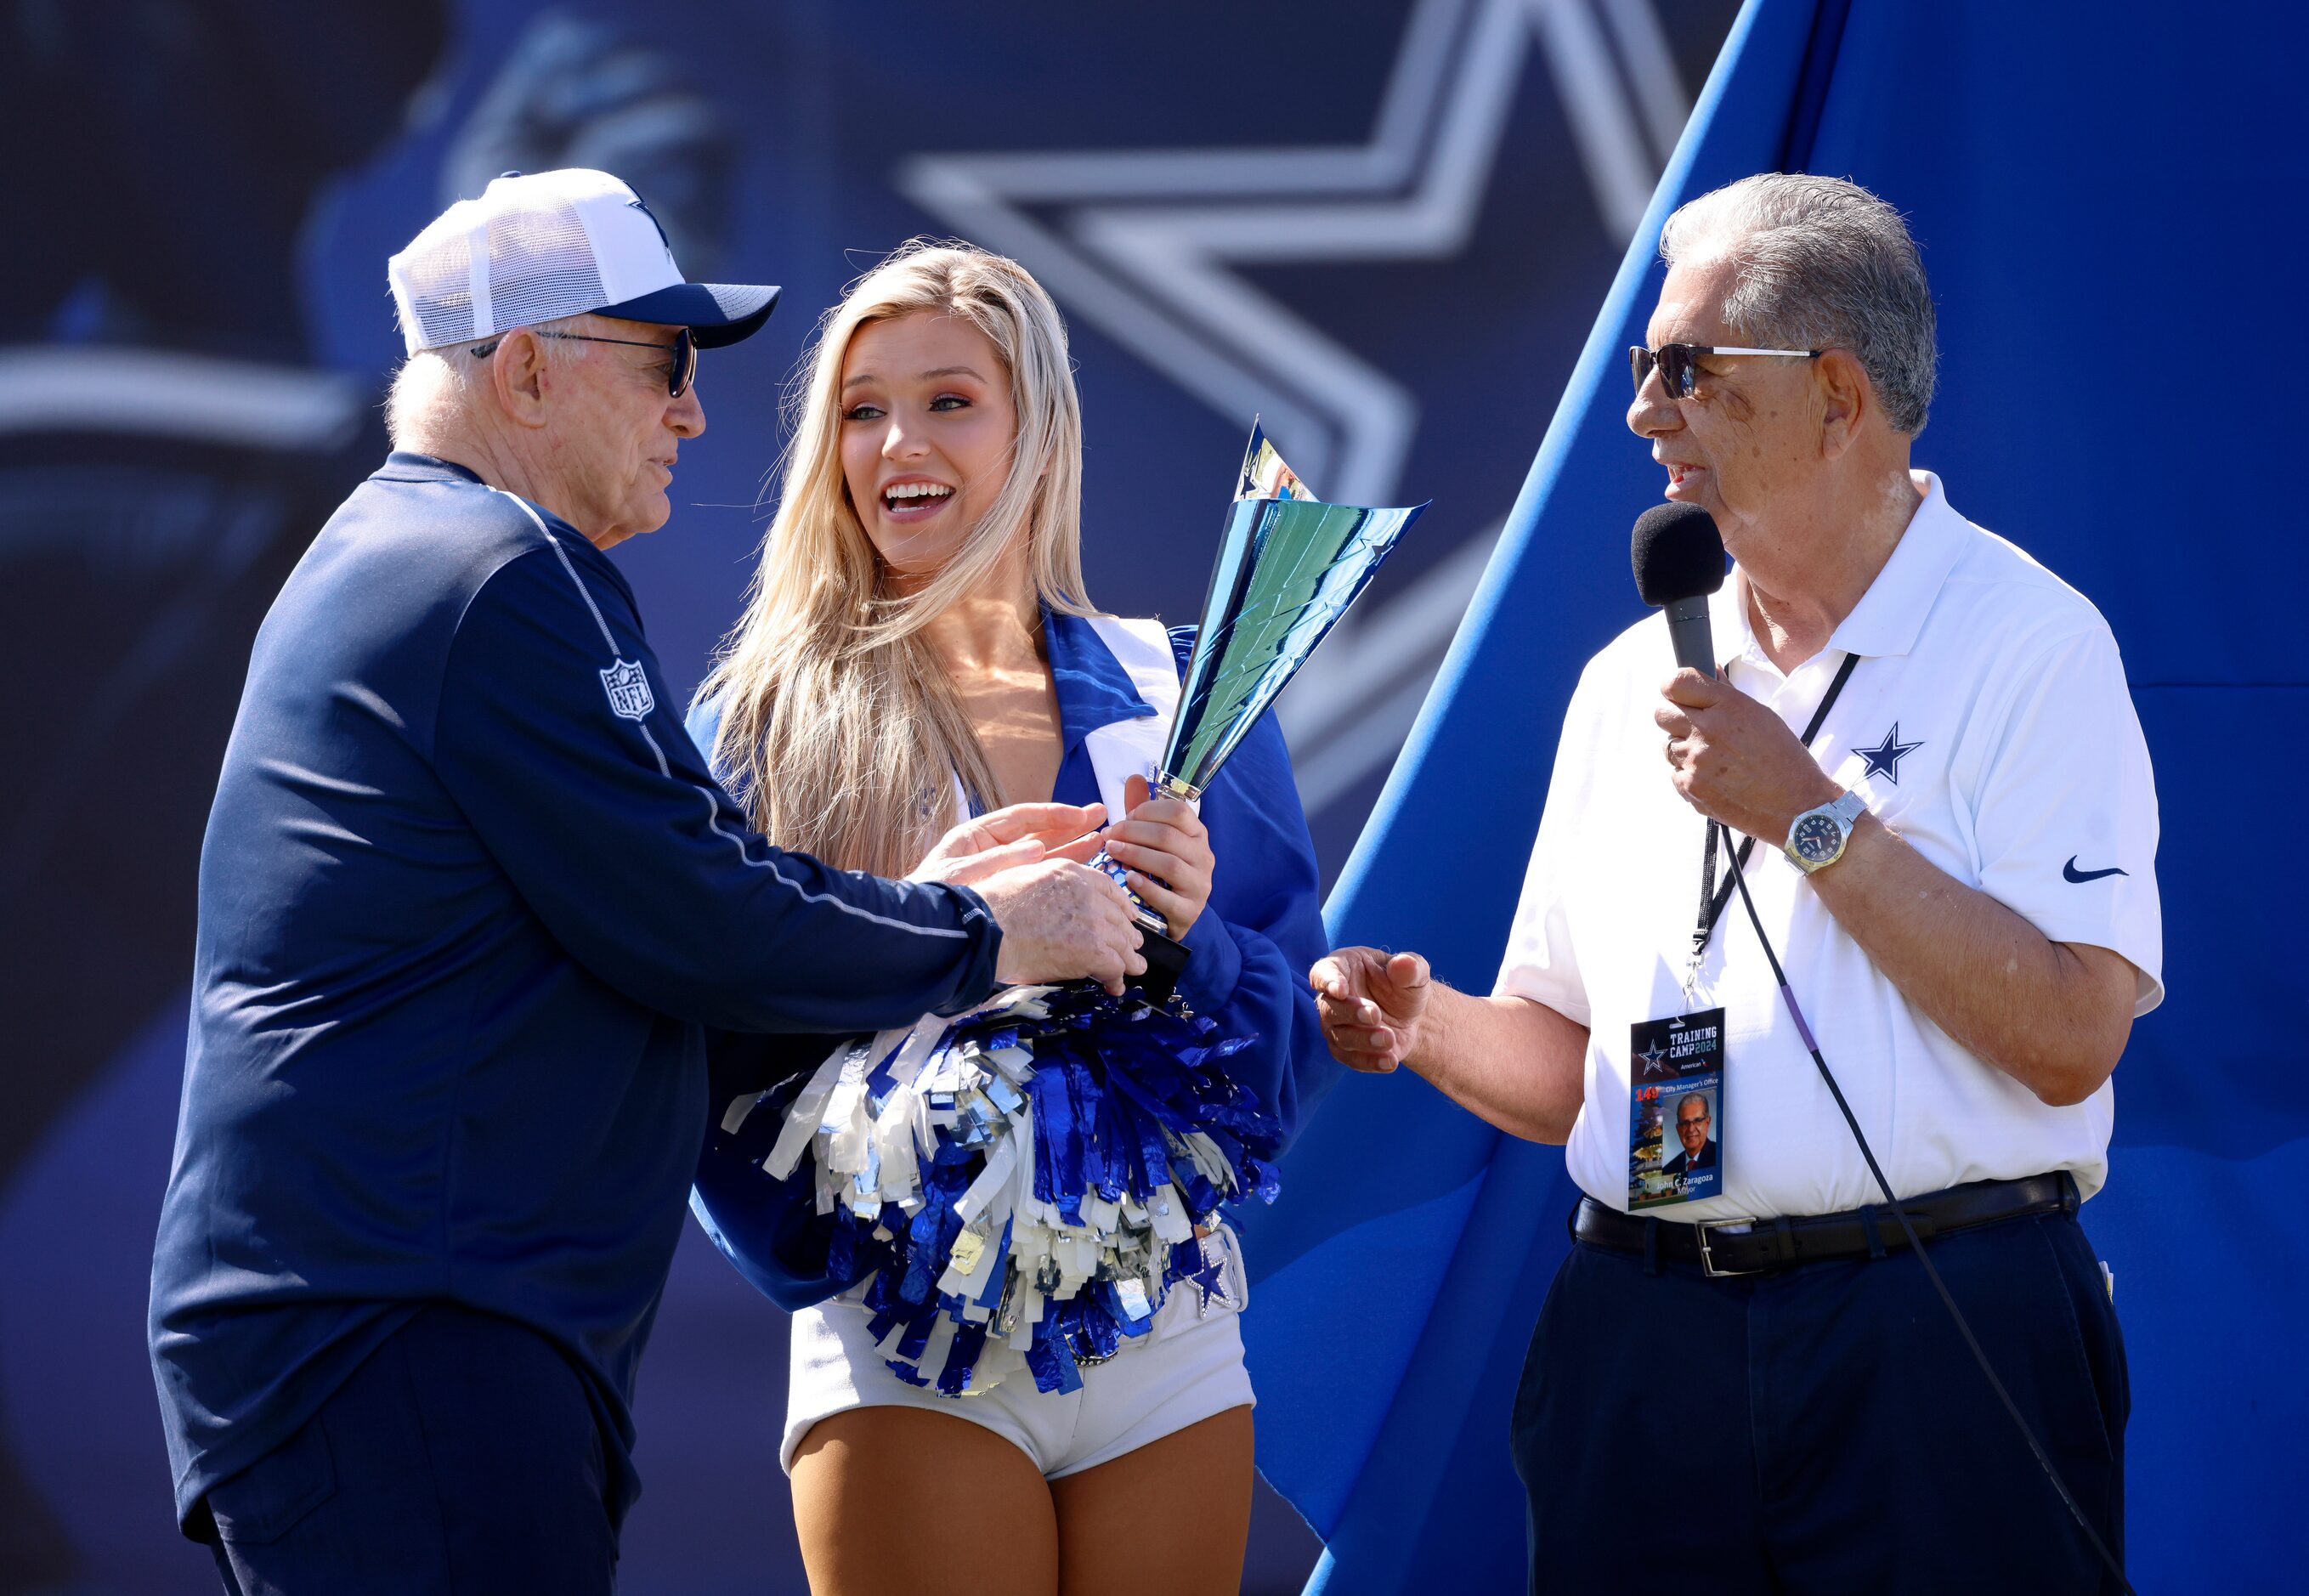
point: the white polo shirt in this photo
(1988, 723)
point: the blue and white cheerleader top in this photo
(1019, 1184)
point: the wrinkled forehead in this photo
(1690, 305)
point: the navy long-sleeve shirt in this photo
(1250, 952)
(469, 898)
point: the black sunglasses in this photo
(1679, 362)
(683, 348)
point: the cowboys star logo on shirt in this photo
(1884, 759)
(628, 687)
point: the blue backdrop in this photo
(1296, 208)
(2109, 209)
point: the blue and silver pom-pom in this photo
(1026, 1181)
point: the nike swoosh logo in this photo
(2069, 872)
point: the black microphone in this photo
(1679, 560)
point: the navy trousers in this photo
(461, 1459)
(1823, 1428)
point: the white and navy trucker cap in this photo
(539, 245)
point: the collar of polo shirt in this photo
(1890, 614)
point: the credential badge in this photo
(628, 687)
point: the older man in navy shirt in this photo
(468, 902)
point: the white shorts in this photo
(1188, 1367)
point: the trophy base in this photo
(1165, 959)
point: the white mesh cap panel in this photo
(533, 248)
(519, 254)
(540, 267)
(435, 286)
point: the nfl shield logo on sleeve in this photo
(628, 688)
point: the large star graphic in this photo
(1144, 242)
(1147, 244)
(1654, 1058)
(1884, 759)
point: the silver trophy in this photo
(1288, 568)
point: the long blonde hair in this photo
(840, 731)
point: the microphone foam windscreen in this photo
(1678, 553)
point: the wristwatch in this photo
(1817, 839)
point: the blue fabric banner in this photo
(2095, 205)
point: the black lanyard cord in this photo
(1915, 1245)
(1712, 902)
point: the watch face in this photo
(1816, 838)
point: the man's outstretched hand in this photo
(1372, 1004)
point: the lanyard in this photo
(1711, 901)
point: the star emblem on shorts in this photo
(1210, 1277)
(1884, 759)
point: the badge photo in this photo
(1675, 1091)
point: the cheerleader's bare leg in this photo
(904, 1501)
(1171, 1519)
(1138, 1480)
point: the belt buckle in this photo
(1707, 1258)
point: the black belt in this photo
(1769, 1244)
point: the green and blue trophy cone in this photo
(1288, 568)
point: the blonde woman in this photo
(919, 640)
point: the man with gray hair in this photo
(1932, 737)
(468, 902)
